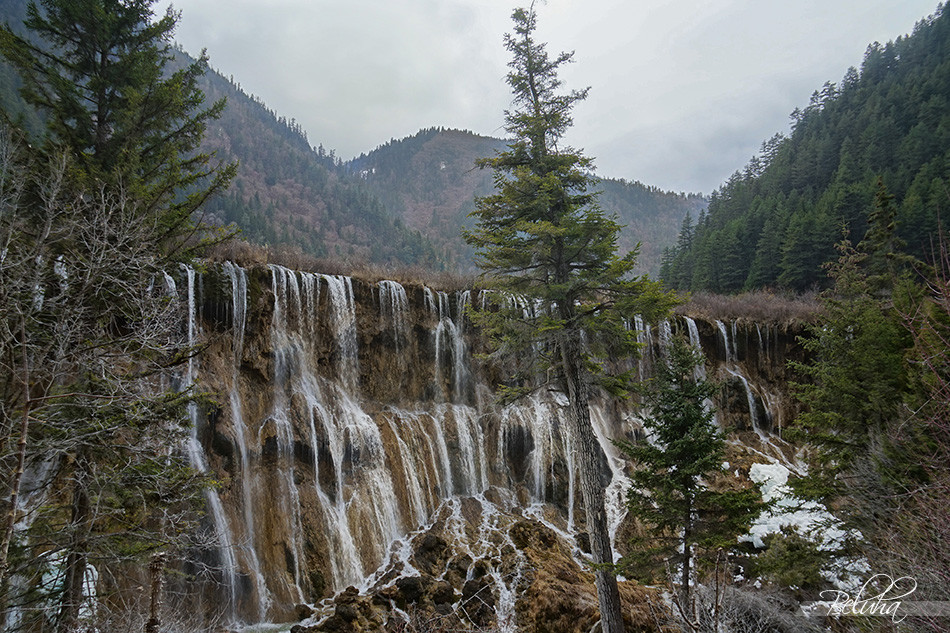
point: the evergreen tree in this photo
(686, 233)
(856, 379)
(890, 121)
(680, 270)
(671, 493)
(92, 218)
(881, 245)
(764, 270)
(101, 72)
(88, 330)
(543, 238)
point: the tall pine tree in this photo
(671, 494)
(542, 237)
(102, 73)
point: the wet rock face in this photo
(518, 443)
(431, 554)
(351, 613)
(349, 414)
(516, 573)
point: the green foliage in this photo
(790, 560)
(93, 215)
(428, 181)
(885, 260)
(775, 223)
(672, 493)
(551, 252)
(88, 332)
(857, 378)
(875, 401)
(98, 71)
(542, 238)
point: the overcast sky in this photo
(683, 92)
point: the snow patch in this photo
(811, 519)
(808, 517)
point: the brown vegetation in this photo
(246, 254)
(759, 306)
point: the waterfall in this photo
(394, 310)
(343, 324)
(238, 279)
(342, 452)
(450, 346)
(352, 481)
(461, 375)
(750, 400)
(287, 364)
(699, 373)
(539, 420)
(772, 404)
(196, 457)
(666, 335)
(436, 308)
(693, 333)
(419, 501)
(644, 343)
(477, 528)
(615, 497)
(471, 442)
(730, 355)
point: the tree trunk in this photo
(10, 522)
(12, 512)
(156, 569)
(77, 557)
(687, 537)
(588, 451)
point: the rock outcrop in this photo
(358, 444)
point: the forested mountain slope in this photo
(13, 12)
(285, 193)
(430, 181)
(775, 222)
(288, 193)
(403, 203)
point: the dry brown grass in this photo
(246, 254)
(760, 306)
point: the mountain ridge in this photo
(430, 180)
(775, 222)
(291, 196)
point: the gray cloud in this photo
(683, 92)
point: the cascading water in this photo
(287, 363)
(700, 372)
(322, 483)
(394, 310)
(730, 352)
(356, 500)
(732, 368)
(247, 547)
(750, 400)
(433, 453)
(451, 350)
(666, 334)
(196, 456)
(616, 493)
(343, 323)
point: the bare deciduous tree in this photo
(89, 420)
